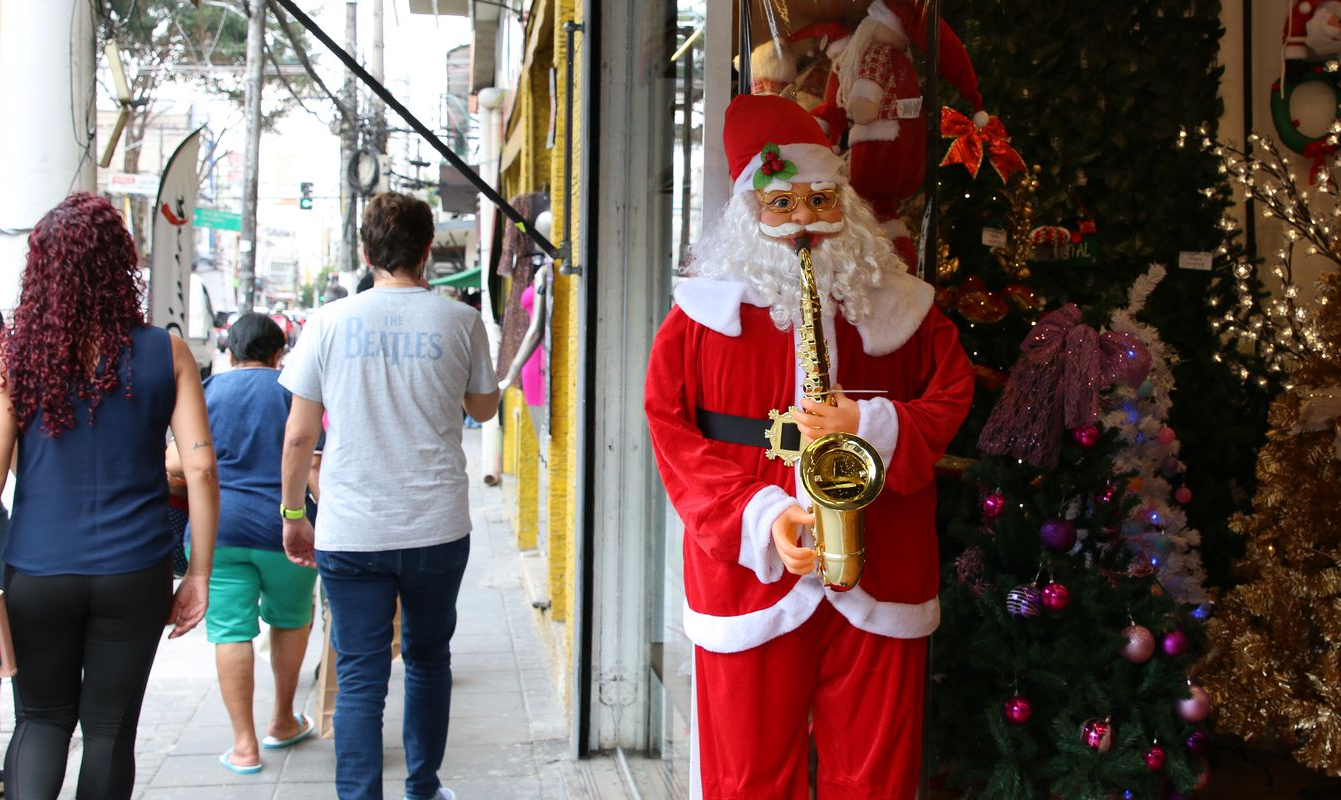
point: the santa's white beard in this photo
(849, 265)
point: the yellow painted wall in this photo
(536, 168)
(564, 477)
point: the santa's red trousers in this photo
(865, 694)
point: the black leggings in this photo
(84, 645)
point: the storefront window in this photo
(671, 653)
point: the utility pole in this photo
(47, 64)
(349, 144)
(491, 126)
(251, 164)
(378, 71)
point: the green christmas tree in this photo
(1101, 109)
(1074, 680)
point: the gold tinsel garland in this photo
(1274, 666)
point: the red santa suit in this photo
(773, 648)
(888, 154)
(1312, 30)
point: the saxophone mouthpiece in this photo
(802, 243)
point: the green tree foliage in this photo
(1068, 663)
(171, 41)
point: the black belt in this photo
(745, 430)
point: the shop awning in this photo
(468, 279)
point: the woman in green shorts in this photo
(252, 577)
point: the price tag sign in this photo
(993, 237)
(1195, 259)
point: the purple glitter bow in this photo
(1056, 383)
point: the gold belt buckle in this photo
(774, 435)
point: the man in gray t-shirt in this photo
(393, 368)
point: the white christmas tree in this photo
(1156, 529)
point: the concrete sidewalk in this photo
(509, 733)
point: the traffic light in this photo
(305, 202)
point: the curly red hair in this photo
(80, 299)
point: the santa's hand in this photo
(821, 419)
(786, 533)
(862, 111)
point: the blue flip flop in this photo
(305, 729)
(241, 770)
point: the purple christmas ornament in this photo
(1174, 643)
(1058, 535)
(1024, 601)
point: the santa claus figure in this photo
(876, 87)
(774, 648)
(1313, 30)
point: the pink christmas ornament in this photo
(1154, 757)
(1058, 535)
(1167, 435)
(1196, 741)
(993, 505)
(1055, 596)
(1108, 495)
(1174, 643)
(1140, 644)
(1018, 710)
(1183, 495)
(1170, 465)
(1097, 734)
(1086, 435)
(1196, 707)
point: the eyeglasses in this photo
(783, 202)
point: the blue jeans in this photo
(362, 589)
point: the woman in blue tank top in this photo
(89, 392)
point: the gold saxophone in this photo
(841, 472)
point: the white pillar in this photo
(491, 105)
(47, 63)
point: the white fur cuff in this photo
(757, 552)
(732, 634)
(882, 130)
(879, 425)
(886, 618)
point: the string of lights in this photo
(1282, 329)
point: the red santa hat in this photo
(836, 33)
(952, 58)
(1296, 22)
(771, 142)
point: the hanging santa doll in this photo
(875, 85)
(1313, 30)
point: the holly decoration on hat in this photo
(772, 167)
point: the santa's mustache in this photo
(788, 229)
